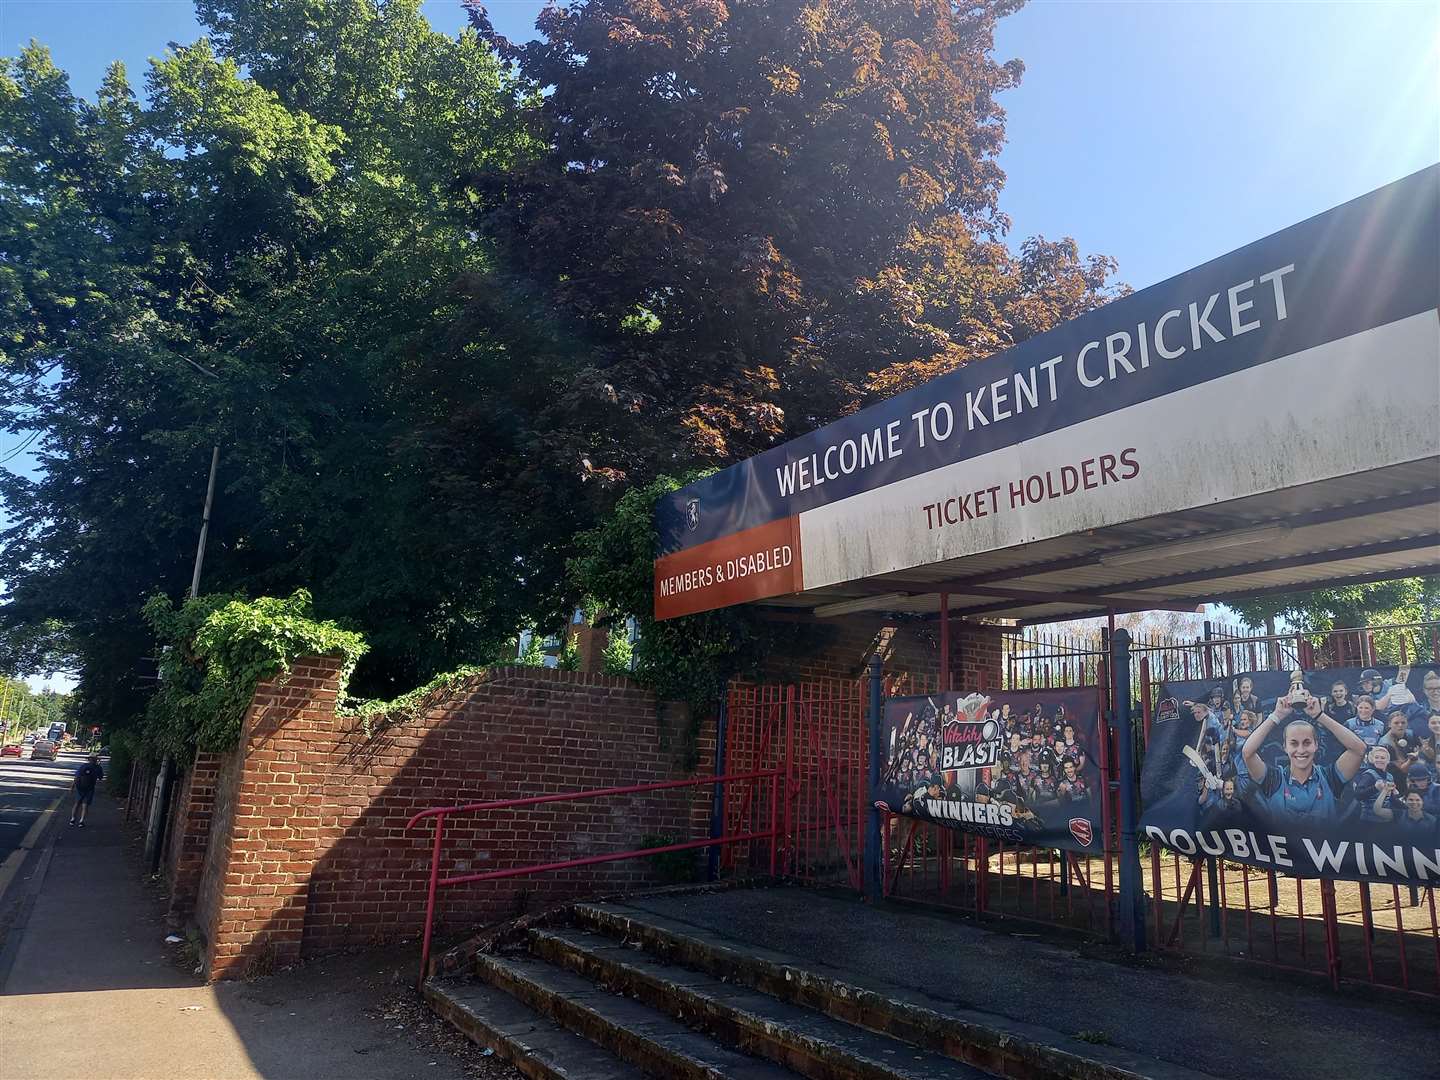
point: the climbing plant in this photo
(213, 650)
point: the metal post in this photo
(205, 522)
(430, 901)
(169, 770)
(873, 884)
(945, 642)
(1213, 876)
(1132, 893)
(717, 799)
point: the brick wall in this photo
(841, 648)
(309, 852)
(215, 871)
(189, 834)
(294, 844)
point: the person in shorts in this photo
(86, 777)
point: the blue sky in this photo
(1163, 134)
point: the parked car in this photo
(44, 750)
(10, 750)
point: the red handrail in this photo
(440, 813)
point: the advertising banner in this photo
(1311, 773)
(1017, 766)
(1075, 429)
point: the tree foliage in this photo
(442, 301)
(753, 217)
(23, 709)
(281, 209)
(214, 650)
(1406, 600)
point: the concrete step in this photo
(539, 1048)
(800, 1038)
(993, 1043)
(630, 1030)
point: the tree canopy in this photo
(296, 232)
(442, 301)
(752, 217)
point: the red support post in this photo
(1332, 931)
(788, 782)
(430, 901)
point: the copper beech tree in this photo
(754, 216)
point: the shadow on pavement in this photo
(91, 970)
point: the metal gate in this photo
(816, 733)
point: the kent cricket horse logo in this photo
(692, 514)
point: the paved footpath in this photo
(89, 991)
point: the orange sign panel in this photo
(750, 565)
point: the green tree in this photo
(569, 656)
(1404, 600)
(282, 210)
(533, 655)
(618, 657)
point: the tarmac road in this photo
(30, 791)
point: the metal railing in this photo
(440, 813)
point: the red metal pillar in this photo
(430, 901)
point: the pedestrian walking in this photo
(86, 777)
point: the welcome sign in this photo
(1328, 326)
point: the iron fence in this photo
(814, 734)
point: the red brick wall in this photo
(258, 869)
(307, 849)
(215, 871)
(189, 835)
(317, 856)
(840, 649)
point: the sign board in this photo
(1307, 355)
(1348, 789)
(1017, 766)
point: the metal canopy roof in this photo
(1291, 445)
(1364, 527)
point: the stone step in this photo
(994, 1043)
(800, 1038)
(630, 1030)
(540, 1048)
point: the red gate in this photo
(814, 732)
(815, 735)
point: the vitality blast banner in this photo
(1326, 327)
(1016, 766)
(1315, 774)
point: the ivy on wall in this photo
(214, 650)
